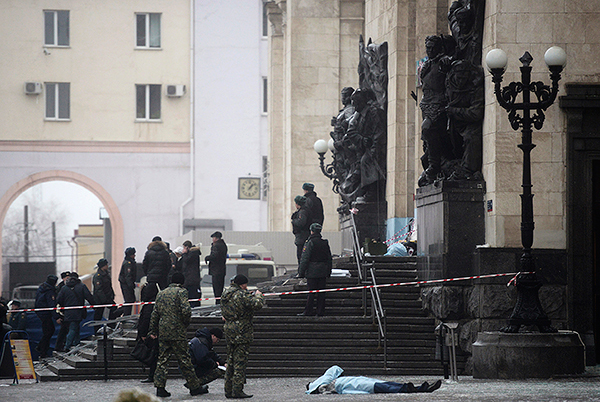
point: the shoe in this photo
(162, 393)
(203, 389)
(410, 388)
(436, 385)
(147, 380)
(240, 395)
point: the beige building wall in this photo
(314, 59)
(102, 65)
(532, 26)
(89, 240)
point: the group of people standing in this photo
(313, 252)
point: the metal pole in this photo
(54, 241)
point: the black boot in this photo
(436, 385)
(202, 389)
(162, 392)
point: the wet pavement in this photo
(578, 388)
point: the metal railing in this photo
(376, 306)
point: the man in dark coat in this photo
(170, 319)
(103, 291)
(45, 297)
(301, 220)
(217, 264)
(315, 266)
(64, 329)
(238, 305)
(127, 278)
(74, 293)
(190, 265)
(156, 264)
(314, 203)
(204, 358)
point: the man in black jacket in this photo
(315, 266)
(217, 264)
(313, 203)
(190, 266)
(46, 298)
(204, 358)
(103, 292)
(127, 278)
(301, 221)
(74, 293)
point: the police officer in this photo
(170, 319)
(238, 305)
(315, 266)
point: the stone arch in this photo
(107, 201)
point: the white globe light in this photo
(555, 56)
(496, 58)
(330, 145)
(320, 146)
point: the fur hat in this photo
(300, 200)
(308, 186)
(178, 278)
(157, 238)
(240, 279)
(51, 279)
(102, 262)
(129, 251)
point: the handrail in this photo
(376, 305)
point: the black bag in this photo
(146, 351)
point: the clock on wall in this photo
(249, 188)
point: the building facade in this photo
(314, 54)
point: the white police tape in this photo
(295, 292)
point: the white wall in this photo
(230, 130)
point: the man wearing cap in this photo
(238, 305)
(301, 220)
(315, 266)
(170, 319)
(205, 360)
(127, 278)
(103, 290)
(190, 266)
(217, 261)
(45, 297)
(17, 321)
(313, 203)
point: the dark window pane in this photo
(154, 102)
(63, 28)
(140, 101)
(141, 30)
(265, 95)
(50, 101)
(154, 30)
(64, 100)
(265, 21)
(49, 27)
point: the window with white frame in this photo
(58, 100)
(147, 102)
(147, 31)
(56, 28)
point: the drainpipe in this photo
(192, 93)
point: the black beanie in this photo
(51, 279)
(240, 279)
(217, 332)
(178, 278)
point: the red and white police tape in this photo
(296, 292)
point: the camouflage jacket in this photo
(172, 313)
(238, 307)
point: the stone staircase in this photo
(288, 345)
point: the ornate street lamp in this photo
(528, 310)
(321, 147)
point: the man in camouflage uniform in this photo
(238, 305)
(170, 319)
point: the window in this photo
(265, 21)
(56, 28)
(265, 93)
(147, 30)
(58, 100)
(147, 102)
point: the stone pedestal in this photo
(527, 355)
(370, 223)
(450, 223)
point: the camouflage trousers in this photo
(210, 376)
(235, 375)
(168, 348)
